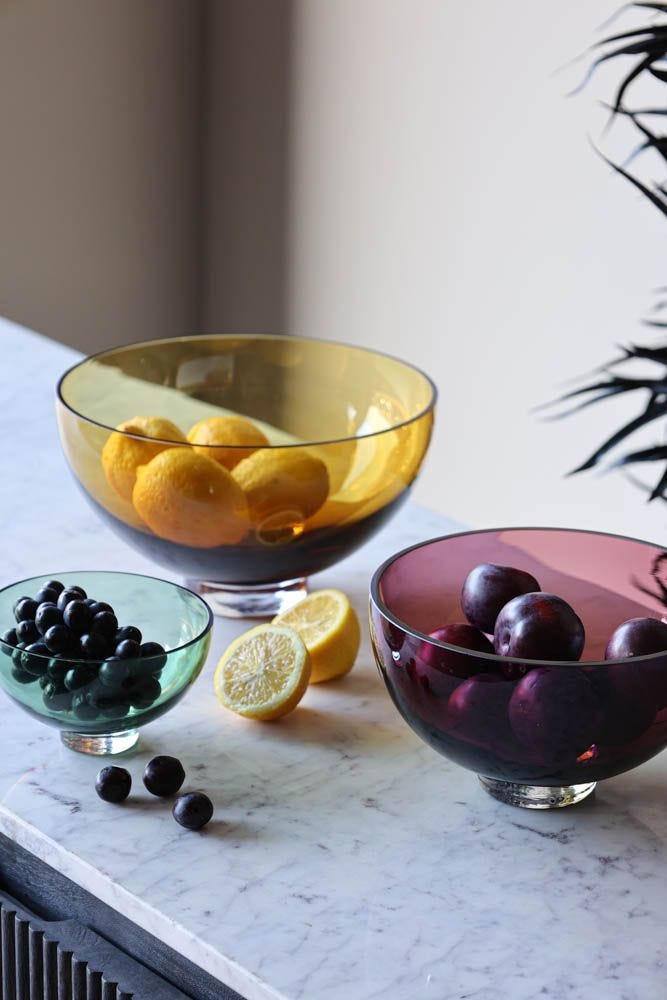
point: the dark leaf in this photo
(636, 71)
(655, 454)
(650, 414)
(659, 74)
(654, 198)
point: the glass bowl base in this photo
(259, 601)
(109, 743)
(536, 796)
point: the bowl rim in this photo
(495, 657)
(108, 573)
(251, 336)
(288, 338)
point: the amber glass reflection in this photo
(362, 420)
(602, 717)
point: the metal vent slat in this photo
(35, 958)
(50, 956)
(8, 962)
(22, 956)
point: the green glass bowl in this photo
(94, 719)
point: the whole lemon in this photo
(122, 454)
(216, 432)
(190, 499)
(282, 480)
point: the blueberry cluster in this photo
(163, 777)
(83, 660)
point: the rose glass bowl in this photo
(362, 419)
(95, 718)
(539, 733)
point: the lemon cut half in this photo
(264, 673)
(328, 625)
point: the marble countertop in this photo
(346, 860)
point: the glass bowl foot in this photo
(536, 796)
(260, 601)
(109, 743)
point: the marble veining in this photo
(345, 860)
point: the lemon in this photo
(264, 673)
(219, 431)
(328, 625)
(282, 481)
(122, 455)
(187, 498)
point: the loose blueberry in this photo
(27, 631)
(114, 672)
(113, 784)
(25, 609)
(53, 585)
(70, 594)
(193, 810)
(9, 637)
(144, 693)
(77, 616)
(128, 632)
(94, 646)
(154, 652)
(46, 616)
(164, 775)
(105, 623)
(58, 639)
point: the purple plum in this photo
(555, 712)
(477, 712)
(637, 637)
(539, 627)
(450, 661)
(488, 588)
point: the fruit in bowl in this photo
(574, 688)
(245, 463)
(99, 654)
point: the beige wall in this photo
(100, 167)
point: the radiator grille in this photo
(62, 960)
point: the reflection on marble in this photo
(345, 859)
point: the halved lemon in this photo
(328, 625)
(264, 673)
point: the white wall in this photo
(446, 206)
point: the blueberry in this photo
(77, 616)
(96, 607)
(46, 596)
(35, 658)
(22, 676)
(93, 646)
(164, 775)
(78, 677)
(24, 609)
(70, 594)
(193, 810)
(144, 693)
(27, 631)
(46, 616)
(82, 707)
(127, 632)
(154, 652)
(10, 637)
(53, 585)
(58, 639)
(113, 672)
(113, 784)
(56, 697)
(17, 655)
(128, 649)
(111, 708)
(56, 669)
(104, 622)
(89, 601)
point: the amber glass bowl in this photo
(539, 733)
(342, 435)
